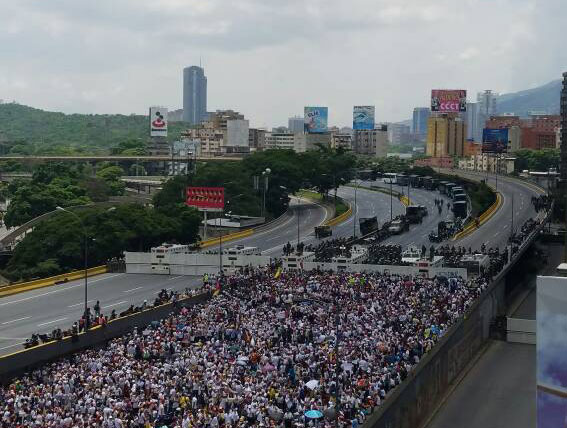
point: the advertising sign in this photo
(158, 122)
(551, 363)
(205, 198)
(448, 100)
(315, 120)
(494, 140)
(363, 117)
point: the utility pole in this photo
(512, 213)
(391, 202)
(298, 221)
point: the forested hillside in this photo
(26, 130)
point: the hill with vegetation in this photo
(27, 130)
(544, 98)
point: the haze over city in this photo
(268, 59)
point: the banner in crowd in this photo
(315, 119)
(551, 315)
(363, 117)
(158, 122)
(205, 198)
(448, 100)
(494, 140)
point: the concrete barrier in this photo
(339, 219)
(20, 362)
(46, 282)
(227, 238)
(411, 404)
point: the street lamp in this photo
(265, 174)
(357, 184)
(85, 258)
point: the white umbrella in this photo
(312, 384)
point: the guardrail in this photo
(483, 218)
(52, 280)
(226, 238)
(340, 218)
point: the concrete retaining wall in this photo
(411, 403)
(16, 364)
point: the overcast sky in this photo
(269, 58)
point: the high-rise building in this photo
(419, 124)
(486, 102)
(373, 142)
(295, 124)
(446, 136)
(471, 119)
(194, 95)
(398, 133)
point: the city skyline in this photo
(122, 59)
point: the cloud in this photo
(268, 58)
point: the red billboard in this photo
(205, 198)
(448, 100)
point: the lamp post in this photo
(357, 184)
(391, 201)
(265, 174)
(85, 259)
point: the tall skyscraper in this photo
(486, 107)
(471, 119)
(419, 125)
(194, 95)
(563, 165)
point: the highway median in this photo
(21, 287)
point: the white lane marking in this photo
(115, 304)
(12, 346)
(132, 289)
(175, 277)
(51, 322)
(79, 304)
(12, 338)
(16, 320)
(497, 233)
(25, 299)
(505, 227)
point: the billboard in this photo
(205, 198)
(315, 120)
(448, 100)
(494, 140)
(363, 117)
(551, 361)
(158, 122)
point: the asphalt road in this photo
(42, 310)
(496, 231)
(498, 392)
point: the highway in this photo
(59, 306)
(496, 231)
(44, 309)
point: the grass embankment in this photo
(482, 197)
(340, 206)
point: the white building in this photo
(237, 133)
(279, 140)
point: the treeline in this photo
(56, 245)
(28, 131)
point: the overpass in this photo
(116, 158)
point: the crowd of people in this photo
(385, 254)
(97, 318)
(261, 353)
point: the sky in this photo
(270, 58)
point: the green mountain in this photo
(543, 98)
(28, 130)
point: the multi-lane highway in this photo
(59, 306)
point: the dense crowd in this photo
(261, 353)
(385, 254)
